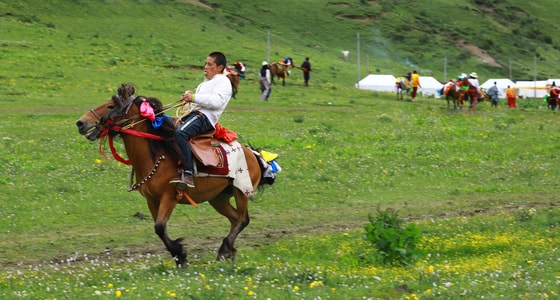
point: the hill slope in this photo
(66, 45)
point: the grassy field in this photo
(462, 176)
(482, 185)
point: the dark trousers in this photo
(193, 124)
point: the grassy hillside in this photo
(55, 48)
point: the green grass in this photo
(483, 256)
(68, 228)
(61, 201)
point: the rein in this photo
(126, 129)
(105, 133)
(124, 126)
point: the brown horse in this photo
(456, 94)
(153, 154)
(280, 70)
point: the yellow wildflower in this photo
(316, 283)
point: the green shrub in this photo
(524, 214)
(394, 242)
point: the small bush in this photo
(394, 242)
(525, 214)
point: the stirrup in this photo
(185, 181)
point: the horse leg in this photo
(238, 217)
(161, 212)
(453, 98)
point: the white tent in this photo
(551, 81)
(376, 82)
(502, 84)
(429, 86)
(531, 89)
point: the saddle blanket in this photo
(237, 165)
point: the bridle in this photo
(125, 125)
(121, 126)
(95, 114)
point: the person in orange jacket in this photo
(511, 97)
(415, 80)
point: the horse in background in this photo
(239, 67)
(484, 96)
(454, 92)
(403, 86)
(280, 69)
(233, 77)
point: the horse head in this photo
(93, 122)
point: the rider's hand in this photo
(188, 96)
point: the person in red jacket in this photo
(474, 90)
(553, 98)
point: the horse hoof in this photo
(224, 257)
(181, 262)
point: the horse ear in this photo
(118, 101)
(126, 90)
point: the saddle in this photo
(210, 155)
(203, 146)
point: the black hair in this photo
(219, 59)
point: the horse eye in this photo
(111, 107)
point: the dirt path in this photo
(479, 53)
(198, 246)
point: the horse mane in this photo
(166, 130)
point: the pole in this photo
(535, 78)
(268, 46)
(358, 63)
(445, 69)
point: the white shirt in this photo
(268, 76)
(474, 82)
(213, 95)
